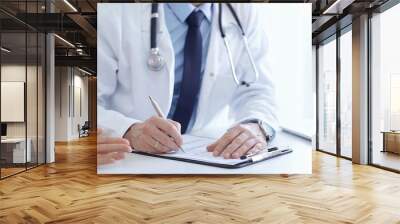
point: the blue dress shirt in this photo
(175, 17)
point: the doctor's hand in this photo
(238, 141)
(155, 135)
(110, 149)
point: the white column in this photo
(50, 99)
(360, 90)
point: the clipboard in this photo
(240, 164)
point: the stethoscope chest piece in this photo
(155, 61)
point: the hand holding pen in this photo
(160, 114)
(156, 135)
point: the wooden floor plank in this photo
(70, 191)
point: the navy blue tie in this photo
(190, 85)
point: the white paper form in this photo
(196, 149)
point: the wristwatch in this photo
(266, 130)
(264, 127)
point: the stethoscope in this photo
(156, 61)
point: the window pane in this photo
(327, 96)
(31, 97)
(386, 89)
(14, 153)
(346, 93)
(22, 88)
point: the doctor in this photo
(175, 52)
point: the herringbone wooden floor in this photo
(70, 191)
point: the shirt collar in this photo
(183, 10)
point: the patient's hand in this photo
(238, 141)
(111, 149)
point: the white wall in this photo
(61, 103)
(12, 73)
(70, 84)
(34, 126)
(12, 101)
(290, 58)
(79, 117)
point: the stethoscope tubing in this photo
(155, 54)
(153, 25)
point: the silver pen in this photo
(160, 114)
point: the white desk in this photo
(297, 162)
(19, 154)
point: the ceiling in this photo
(75, 22)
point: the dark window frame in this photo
(334, 37)
(29, 29)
